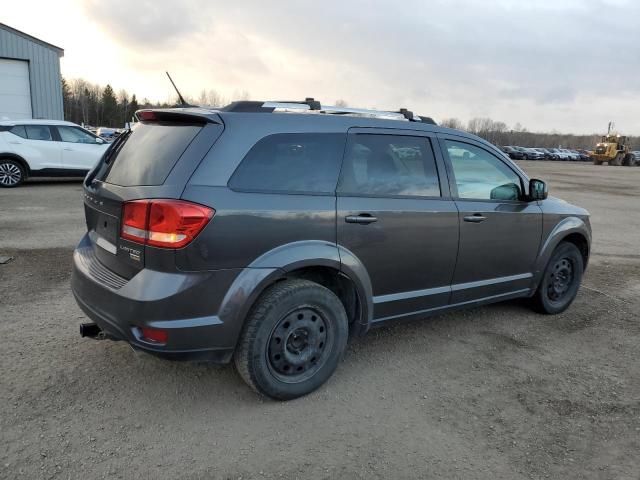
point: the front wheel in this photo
(293, 339)
(11, 173)
(561, 280)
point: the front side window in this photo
(38, 132)
(75, 135)
(481, 175)
(291, 163)
(389, 165)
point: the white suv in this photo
(46, 148)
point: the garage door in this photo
(15, 93)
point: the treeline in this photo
(92, 104)
(499, 133)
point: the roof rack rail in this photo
(311, 105)
(268, 107)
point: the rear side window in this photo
(149, 153)
(291, 163)
(389, 165)
(38, 132)
(19, 130)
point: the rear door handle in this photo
(362, 219)
(69, 149)
(475, 218)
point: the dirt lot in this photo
(495, 392)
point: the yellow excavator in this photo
(614, 150)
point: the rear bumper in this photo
(184, 304)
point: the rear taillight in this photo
(163, 223)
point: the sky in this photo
(550, 65)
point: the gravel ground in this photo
(496, 392)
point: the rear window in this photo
(149, 153)
(291, 163)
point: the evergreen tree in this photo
(67, 106)
(109, 108)
(133, 107)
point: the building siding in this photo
(44, 72)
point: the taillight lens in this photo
(163, 223)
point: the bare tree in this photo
(452, 123)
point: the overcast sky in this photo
(566, 65)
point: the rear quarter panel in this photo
(248, 225)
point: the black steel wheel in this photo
(561, 280)
(299, 344)
(292, 340)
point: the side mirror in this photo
(99, 141)
(538, 189)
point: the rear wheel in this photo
(293, 339)
(11, 173)
(561, 280)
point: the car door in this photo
(36, 145)
(395, 214)
(80, 149)
(500, 230)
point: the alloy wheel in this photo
(10, 174)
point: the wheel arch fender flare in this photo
(274, 265)
(19, 159)
(568, 226)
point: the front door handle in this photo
(475, 218)
(362, 219)
(67, 149)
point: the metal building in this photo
(30, 81)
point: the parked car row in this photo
(108, 134)
(539, 153)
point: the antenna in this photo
(182, 102)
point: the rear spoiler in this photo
(186, 115)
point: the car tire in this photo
(293, 339)
(560, 281)
(12, 173)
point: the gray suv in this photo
(270, 233)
